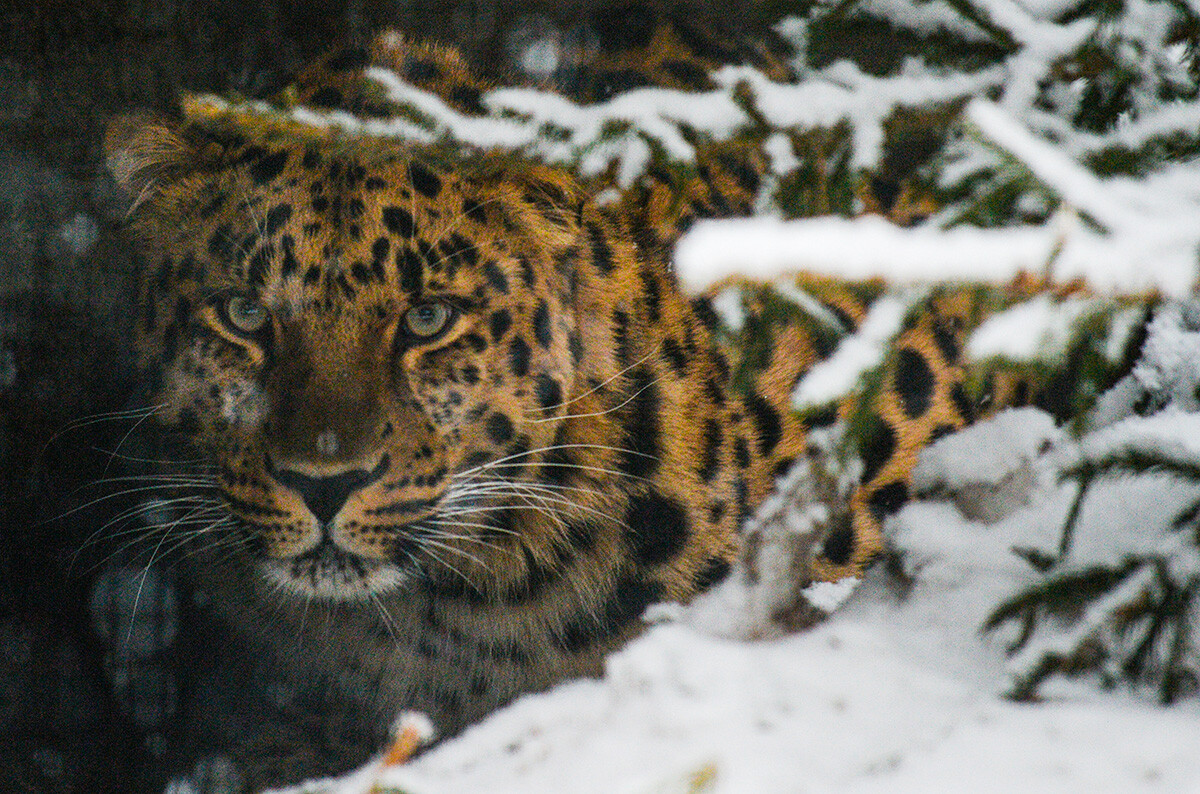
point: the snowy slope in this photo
(889, 695)
(894, 693)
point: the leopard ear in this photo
(143, 153)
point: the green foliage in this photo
(824, 181)
(1128, 619)
(1128, 622)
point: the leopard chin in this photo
(329, 573)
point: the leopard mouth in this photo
(328, 572)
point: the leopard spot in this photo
(499, 428)
(674, 355)
(839, 544)
(541, 325)
(468, 98)
(946, 341)
(741, 452)
(766, 420)
(348, 59)
(689, 75)
(427, 183)
(268, 167)
(639, 459)
(496, 277)
(498, 323)
(518, 356)
(879, 442)
(326, 97)
(421, 71)
(713, 572)
(409, 269)
(887, 499)
(601, 252)
(711, 459)
(914, 382)
(474, 210)
(656, 527)
(548, 391)
(399, 221)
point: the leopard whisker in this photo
(581, 467)
(469, 538)
(110, 416)
(605, 382)
(189, 536)
(141, 508)
(125, 437)
(166, 478)
(136, 530)
(451, 226)
(450, 520)
(616, 407)
(515, 489)
(137, 598)
(104, 498)
(436, 537)
(550, 448)
(150, 461)
(425, 547)
(139, 534)
(503, 490)
(384, 617)
(545, 493)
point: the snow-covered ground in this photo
(899, 690)
(896, 692)
(886, 697)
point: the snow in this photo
(844, 93)
(760, 248)
(1012, 439)
(1157, 253)
(1168, 372)
(847, 707)
(828, 596)
(1039, 329)
(839, 375)
(894, 693)
(1119, 234)
(1170, 435)
(1078, 186)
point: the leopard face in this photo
(368, 358)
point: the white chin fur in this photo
(314, 579)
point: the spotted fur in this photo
(442, 521)
(511, 494)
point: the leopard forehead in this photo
(310, 230)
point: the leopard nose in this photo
(326, 495)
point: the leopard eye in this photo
(244, 315)
(427, 320)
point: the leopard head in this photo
(363, 346)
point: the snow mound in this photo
(989, 469)
(898, 693)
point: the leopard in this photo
(444, 409)
(442, 425)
